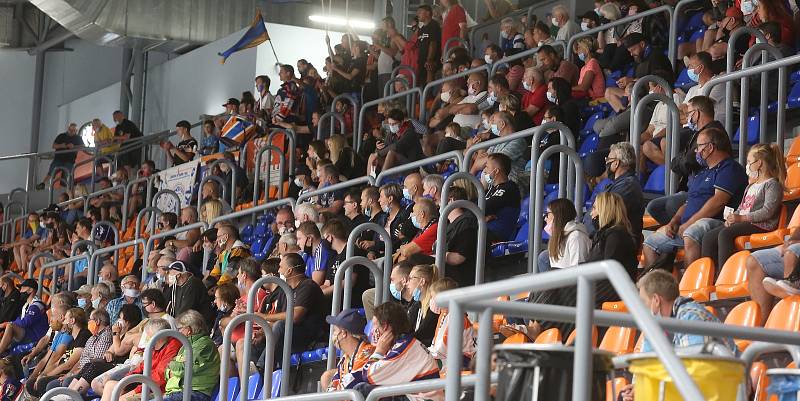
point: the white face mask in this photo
(471, 91)
(527, 86)
(487, 58)
(584, 26)
(298, 182)
(172, 279)
(554, 21)
(445, 96)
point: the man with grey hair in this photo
(502, 124)
(620, 168)
(306, 212)
(566, 26)
(205, 371)
(432, 187)
(287, 243)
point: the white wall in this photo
(17, 70)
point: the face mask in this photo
(34, 226)
(221, 242)
(609, 170)
(584, 26)
(702, 162)
(386, 209)
(552, 98)
(554, 21)
(750, 172)
(495, 129)
(582, 56)
(427, 196)
(487, 58)
(298, 182)
(491, 99)
(285, 230)
(130, 293)
(692, 125)
(420, 24)
(487, 178)
(172, 280)
(368, 212)
(159, 277)
(693, 75)
(93, 327)
(548, 228)
(394, 128)
(445, 96)
(96, 303)
(82, 303)
(596, 222)
(281, 276)
(407, 194)
(527, 86)
(415, 222)
(471, 91)
(417, 295)
(486, 125)
(747, 7)
(240, 284)
(395, 291)
(503, 35)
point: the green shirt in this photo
(205, 370)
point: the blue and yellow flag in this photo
(256, 35)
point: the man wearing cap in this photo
(348, 336)
(186, 292)
(130, 295)
(187, 145)
(32, 323)
(232, 106)
(649, 59)
(84, 295)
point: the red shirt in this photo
(161, 358)
(538, 98)
(450, 25)
(426, 239)
(238, 332)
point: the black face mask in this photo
(609, 172)
(596, 222)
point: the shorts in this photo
(58, 163)
(771, 260)
(660, 243)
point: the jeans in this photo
(543, 262)
(196, 396)
(718, 244)
(662, 209)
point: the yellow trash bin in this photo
(717, 377)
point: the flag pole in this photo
(273, 52)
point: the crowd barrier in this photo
(672, 136)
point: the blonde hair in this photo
(431, 274)
(772, 157)
(468, 187)
(611, 11)
(211, 209)
(336, 145)
(611, 211)
(587, 43)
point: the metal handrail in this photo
(54, 280)
(348, 264)
(446, 51)
(92, 272)
(407, 68)
(292, 137)
(569, 55)
(365, 180)
(34, 258)
(255, 209)
(128, 187)
(232, 166)
(170, 193)
(26, 197)
(219, 181)
(673, 29)
(461, 300)
(388, 87)
(346, 97)
(530, 52)
(288, 330)
(387, 260)
(453, 154)
(90, 248)
(566, 137)
(672, 138)
(423, 112)
(65, 391)
(332, 115)
(537, 198)
(463, 175)
(730, 62)
(103, 191)
(637, 87)
(9, 220)
(148, 244)
(441, 234)
(495, 21)
(137, 234)
(188, 360)
(756, 349)
(744, 99)
(114, 229)
(343, 395)
(244, 377)
(492, 142)
(421, 386)
(65, 175)
(268, 178)
(146, 382)
(358, 137)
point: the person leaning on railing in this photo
(64, 141)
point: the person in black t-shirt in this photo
(186, 148)
(336, 234)
(462, 242)
(125, 131)
(429, 38)
(502, 198)
(64, 141)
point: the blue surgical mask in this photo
(693, 75)
(394, 128)
(486, 124)
(691, 125)
(702, 162)
(81, 303)
(427, 196)
(582, 56)
(260, 88)
(417, 295)
(491, 99)
(96, 303)
(415, 222)
(527, 86)
(488, 178)
(552, 98)
(386, 209)
(407, 194)
(495, 130)
(395, 292)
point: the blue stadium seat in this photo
(612, 77)
(794, 76)
(275, 392)
(589, 145)
(753, 129)
(683, 81)
(588, 128)
(694, 22)
(698, 34)
(793, 99)
(255, 387)
(262, 252)
(655, 183)
(247, 234)
(600, 187)
(233, 390)
(261, 230)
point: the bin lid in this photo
(625, 360)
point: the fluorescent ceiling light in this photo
(340, 21)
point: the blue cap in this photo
(348, 319)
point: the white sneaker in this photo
(780, 288)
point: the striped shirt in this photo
(349, 364)
(320, 259)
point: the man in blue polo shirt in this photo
(317, 252)
(721, 182)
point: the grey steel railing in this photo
(113, 229)
(537, 198)
(291, 137)
(527, 53)
(387, 260)
(65, 176)
(346, 97)
(92, 274)
(415, 166)
(154, 213)
(406, 68)
(170, 193)
(673, 29)
(25, 197)
(756, 349)
(638, 86)
(672, 137)
(360, 126)
(288, 330)
(232, 167)
(188, 360)
(337, 294)
(731, 61)
(148, 244)
(9, 226)
(744, 99)
(54, 279)
(146, 382)
(65, 391)
(34, 259)
(244, 373)
(333, 116)
(349, 395)
(129, 189)
(441, 234)
(470, 152)
(567, 138)
(219, 181)
(366, 180)
(448, 46)
(464, 175)
(569, 55)
(493, 26)
(268, 178)
(388, 87)
(104, 191)
(479, 298)
(290, 202)
(423, 112)
(422, 386)
(90, 248)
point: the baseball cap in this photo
(302, 169)
(85, 289)
(30, 283)
(234, 101)
(734, 12)
(632, 39)
(211, 234)
(348, 319)
(177, 266)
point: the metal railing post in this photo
(537, 199)
(387, 260)
(137, 233)
(673, 30)
(637, 87)
(148, 245)
(453, 154)
(188, 361)
(348, 98)
(365, 180)
(291, 137)
(333, 116)
(673, 142)
(170, 193)
(232, 166)
(268, 179)
(566, 137)
(114, 229)
(744, 99)
(146, 382)
(32, 264)
(361, 113)
(103, 191)
(461, 175)
(449, 43)
(530, 52)
(25, 198)
(441, 234)
(423, 112)
(65, 175)
(219, 181)
(288, 291)
(244, 377)
(731, 61)
(92, 272)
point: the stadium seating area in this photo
(554, 148)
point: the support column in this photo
(125, 87)
(138, 86)
(36, 119)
